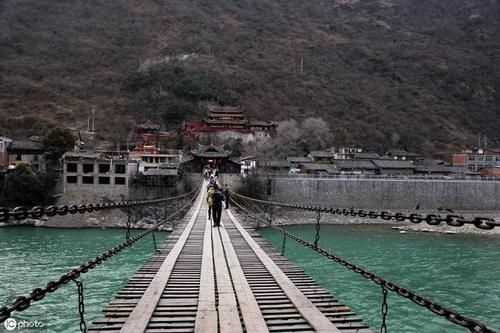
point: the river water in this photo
(460, 271)
(457, 271)
(30, 257)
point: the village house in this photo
(296, 162)
(394, 167)
(401, 155)
(273, 166)
(347, 153)
(366, 156)
(476, 160)
(4, 156)
(355, 167)
(104, 173)
(27, 152)
(248, 165)
(318, 169)
(321, 156)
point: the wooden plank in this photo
(206, 316)
(309, 311)
(138, 320)
(252, 316)
(229, 318)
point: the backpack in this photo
(210, 200)
(217, 198)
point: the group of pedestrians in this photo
(217, 196)
(209, 173)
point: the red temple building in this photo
(222, 118)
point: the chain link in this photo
(283, 243)
(81, 306)
(484, 223)
(155, 248)
(451, 315)
(383, 310)
(129, 216)
(23, 213)
(21, 303)
(318, 226)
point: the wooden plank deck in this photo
(226, 279)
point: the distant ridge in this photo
(421, 75)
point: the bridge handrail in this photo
(451, 315)
(454, 220)
(23, 213)
(21, 303)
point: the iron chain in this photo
(129, 216)
(81, 306)
(451, 315)
(155, 248)
(318, 226)
(484, 223)
(21, 303)
(384, 309)
(23, 213)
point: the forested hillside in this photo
(422, 75)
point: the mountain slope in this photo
(423, 75)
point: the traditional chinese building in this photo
(224, 118)
(216, 157)
(230, 117)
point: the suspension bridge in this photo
(228, 279)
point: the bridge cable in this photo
(454, 220)
(318, 227)
(81, 306)
(451, 315)
(127, 234)
(23, 213)
(384, 309)
(23, 302)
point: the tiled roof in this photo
(355, 164)
(298, 159)
(393, 164)
(161, 172)
(366, 156)
(321, 153)
(273, 163)
(25, 145)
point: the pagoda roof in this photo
(216, 108)
(211, 151)
(149, 125)
(229, 122)
(215, 114)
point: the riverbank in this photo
(141, 218)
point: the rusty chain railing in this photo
(451, 315)
(454, 220)
(23, 213)
(21, 303)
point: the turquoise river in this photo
(459, 271)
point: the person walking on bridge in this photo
(210, 191)
(217, 197)
(227, 195)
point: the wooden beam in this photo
(252, 316)
(206, 315)
(229, 318)
(138, 320)
(309, 311)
